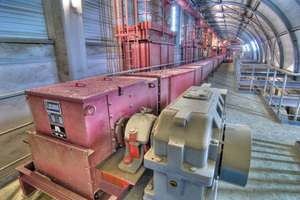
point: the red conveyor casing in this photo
(215, 62)
(198, 68)
(208, 66)
(89, 109)
(172, 83)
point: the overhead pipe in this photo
(186, 6)
(191, 10)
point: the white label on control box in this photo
(55, 118)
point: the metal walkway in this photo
(280, 88)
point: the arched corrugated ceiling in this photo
(271, 28)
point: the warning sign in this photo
(58, 131)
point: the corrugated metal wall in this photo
(100, 30)
(290, 10)
(22, 19)
(98, 21)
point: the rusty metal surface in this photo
(66, 164)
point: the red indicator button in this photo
(127, 160)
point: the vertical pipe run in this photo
(119, 39)
(282, 94)
(273, 84)
(146, 17)
(137, 49)
(123, 38)
(163, 19)
(128, 61)
(122, 14)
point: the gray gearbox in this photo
(193, 148)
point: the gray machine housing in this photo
(188, 142)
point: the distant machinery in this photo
(191, 41)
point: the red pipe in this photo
(186, 6)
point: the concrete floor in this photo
(275, 163)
